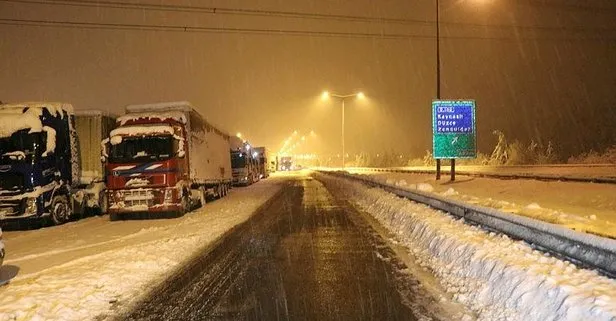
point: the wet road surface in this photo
(307, 256)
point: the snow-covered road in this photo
(496, 277)
(94, 268)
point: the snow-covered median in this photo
(498, 278)
(106, 281)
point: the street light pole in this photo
(343, 155)
(438, 74)
(327, 95)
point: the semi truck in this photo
(263, 162)
(286, 163)
(164, 157)
(41, 153)
(243, 162)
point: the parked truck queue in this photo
(57, 164)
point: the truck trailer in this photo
(40, 163)
(164, 158)
(92, 127)
(263, 162)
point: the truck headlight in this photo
(168, 196)
(31, 207)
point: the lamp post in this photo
(326, 95)
(438, 74)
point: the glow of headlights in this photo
(31, 206)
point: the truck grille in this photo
(11, 181)
(138, 197)
(11, 208)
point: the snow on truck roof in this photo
(176, 110)
(91, 112)
(13, 122)
(141, 130)
(52, 107)
(161, 107)
(175, 115)
(13, 118)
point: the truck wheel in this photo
(220, 191)
(185, 202)
(203, 195)
(60, 211)
(103, 206)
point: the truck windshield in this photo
(133, 149)
(20, 146)
(238, 160)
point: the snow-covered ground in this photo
(94, 268)
(496, 277)
(585, 207)
(587, 171)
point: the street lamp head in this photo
(360, 95)
(325, 95)
(239, 135)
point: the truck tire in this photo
(202, 196)
(60, 210)
(104, 204)
(186, 204)
(220, 191)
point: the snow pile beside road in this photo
(498, 278)
(106, 281)
(579, 222)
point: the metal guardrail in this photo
(585, 249)
(540, 177)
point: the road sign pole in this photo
(453, 169)
(438, 169)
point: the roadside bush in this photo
(592, 157)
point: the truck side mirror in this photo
(104, 154)
(50, 141)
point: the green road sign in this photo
(453, 128)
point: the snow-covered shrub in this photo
(592, 157)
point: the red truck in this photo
(164, 158)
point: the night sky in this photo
(542, 70)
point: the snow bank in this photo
(105, 280)
(498, 278)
